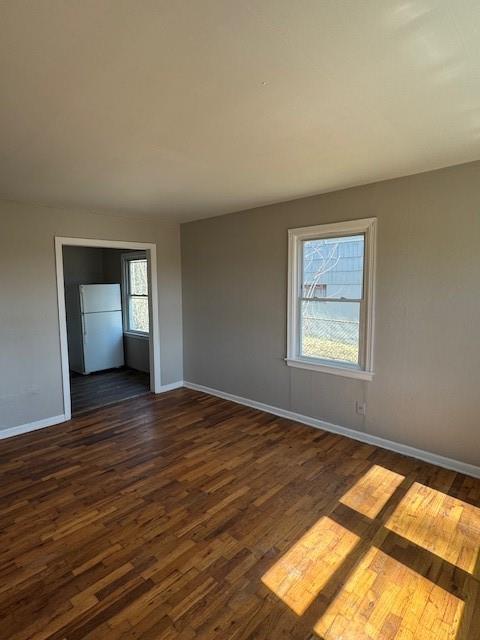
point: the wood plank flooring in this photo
(106, 387)
(186, 517)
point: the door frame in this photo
(154, 341)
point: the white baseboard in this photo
(426, 456)
(9, 432)
(171, 386)
(31, 426)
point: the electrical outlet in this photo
(360, 407)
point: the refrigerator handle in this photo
(80, 291)
(84, 326)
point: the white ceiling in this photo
(191, 108)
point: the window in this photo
(331, 298)
(135, 284)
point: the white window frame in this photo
(126, 259)
(366, 227)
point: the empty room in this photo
(239, 320)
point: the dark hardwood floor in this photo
(106, 387)
(183, 516)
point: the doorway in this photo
(107, 300)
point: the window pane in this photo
(138, 314)
(330, 330)
(333, 267)
(138, 277)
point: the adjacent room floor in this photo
(105, 387)
(183, 516)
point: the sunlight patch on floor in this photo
(370, 494)
(382, 597)
(446, 526)
(298, 577)
(385, 599)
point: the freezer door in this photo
(102, 340)
(100, 297)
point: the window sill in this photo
(336, 370)
(133, 334)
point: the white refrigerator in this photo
(94, 327)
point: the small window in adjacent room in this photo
(135, 273)
(331, 298)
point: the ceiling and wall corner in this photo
(189, 110)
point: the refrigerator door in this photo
(102, 340)
(100, 297)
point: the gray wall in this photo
(90, 265)
(112, 264)
(83, 265)
(427, 347)
(30, 372)
(137, 354)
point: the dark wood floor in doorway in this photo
(106, 387)
(185, 517)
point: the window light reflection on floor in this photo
(385, 599)
(442, 524)
(299, 576)
(382, 597)
(370, 494)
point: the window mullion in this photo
(314, 299)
